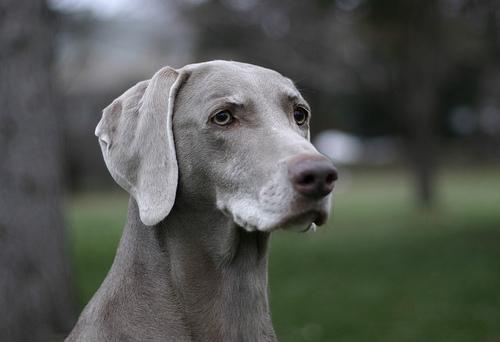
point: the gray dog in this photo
(215, 157)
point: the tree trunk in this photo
(420, 111)
(35, 300)
(421, 72)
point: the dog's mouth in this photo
(290, 214)
(305, 221)
(301, 222)
(306, 215)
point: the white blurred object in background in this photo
(349, 149)
(341, 147)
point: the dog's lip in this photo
(316, 216)
(306, 219)
(321, 217)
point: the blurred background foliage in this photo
(406, 101)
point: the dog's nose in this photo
(312, 177)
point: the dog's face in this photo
(228, 136)
(242, 142)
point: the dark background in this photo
(406, 101)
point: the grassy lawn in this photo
(380, 271)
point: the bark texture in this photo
(35, 301)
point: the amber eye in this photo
(222, 118)
(300, 115)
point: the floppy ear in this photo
(135, 134)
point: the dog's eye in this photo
(222, 118)
(300, 115)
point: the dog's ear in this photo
(136, 138)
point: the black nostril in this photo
(331, 177)
(307, 179)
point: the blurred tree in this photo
(35, 301)
(437, 54)
(406, 37)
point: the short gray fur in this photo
(192, 261)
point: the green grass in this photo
(380, 271)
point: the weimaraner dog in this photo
(215, 156)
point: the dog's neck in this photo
(201, 273)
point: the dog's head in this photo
(224, 134)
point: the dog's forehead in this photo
(225, 78)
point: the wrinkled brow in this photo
(295, 98)
(233, 100)
(292, 97)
